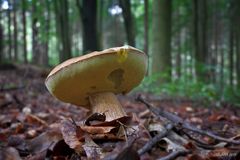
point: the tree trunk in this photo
(35, 46)
(100, 23)
(1, 41)
(15, 30)
(231, 53)
(88, 14)
(200, 38)
(146, 28)
(236, 24)
(63, 31)
(179, 47)
(10, 56)
(161, 39)
(128, 21)
(46, 25)
(216, 39)
(24, 5)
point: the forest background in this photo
(193, 45)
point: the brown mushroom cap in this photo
(116, 70)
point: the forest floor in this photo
(34, 125)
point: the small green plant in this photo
(190, 88)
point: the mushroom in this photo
(92, 80)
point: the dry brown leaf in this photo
(92, 150)
(98, 129)
(9, 153)
(44, 141)
(107, 137)
(127, 153)
(71, 134)
(32, 119)
(115, 122)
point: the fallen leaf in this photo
(106, 137)
(20, 144)
(44, 141)
(32, 119)
(122, 152)
(72, 134)
(62, 149)
(92, 150)
(98, 129)
(9, 153)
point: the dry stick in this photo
(148, 146)
(198, 142)
(180, 122)
(174, 155)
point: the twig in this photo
(174, 155)
(198, 142)
(148, 146)
(181, 123)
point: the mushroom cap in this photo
(116, 70)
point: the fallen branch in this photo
(174, 155)
(199, 143)
(148, 146)
(181, 123)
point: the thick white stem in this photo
(107, 102)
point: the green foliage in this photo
(190, 88)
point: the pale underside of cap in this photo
(116, 70)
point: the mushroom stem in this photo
(107, 102)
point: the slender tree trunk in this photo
(238, 59)
(146, 29)
(24, 5)
(200, 38)
(128, 21)
(88, 14)
(146, 22)
(48, 18)
(231, 53)
(63, 31)
(15, 30)
(35, 52)
(100, 23)
(237, 35)
(10, 56)
(161, 39)
(179, 48)
(1, 41)
(43, 57)
(216, 39)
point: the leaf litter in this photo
(34, 125)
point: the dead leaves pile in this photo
(35, 126)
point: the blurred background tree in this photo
(193, 45)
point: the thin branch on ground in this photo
(181, 123)
(148, 146)
(198, 142)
